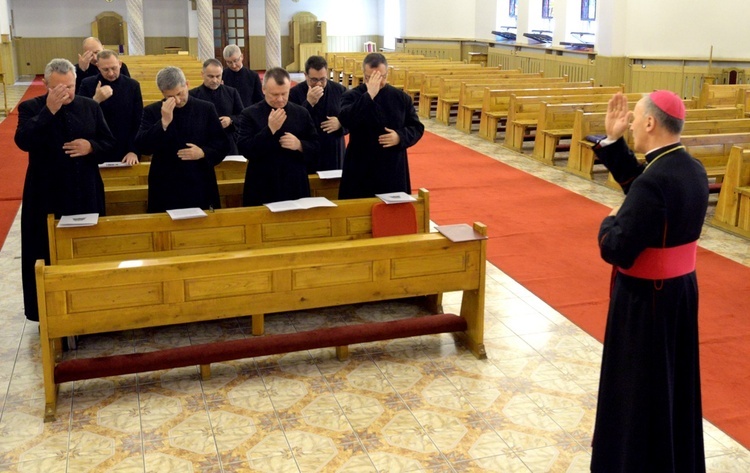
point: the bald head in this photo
(91, 47)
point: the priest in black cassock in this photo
(279, 140)
(120, 98)
(649, 414)
(322, 98)
(226, 99)
(246, 81)
(66, 137)
(382, 124)
(184, 137)
(87, 62)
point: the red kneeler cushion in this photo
(393, 219)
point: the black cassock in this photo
(332, 145)
(94, 71)
(247, 82)
(123, 111)
(56, 183)
(228, 104)
(369, 168)
(174, 183)
(649, 414)
(275, 173)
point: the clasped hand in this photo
(191, 153)
(390, 139)
(102, 92)
(330, 125)
(276, 119)
(77, 148)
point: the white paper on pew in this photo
(460, 232)
(181, 214)
(396, 198)
(115, 164)
(332, 174)
(235, 157)
(299, 204)
(79, 220)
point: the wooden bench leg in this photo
(342, 353)
(483, 126)
(492, 128)
(205, 372)
(550, 145)
(257, 324)
(435, 303)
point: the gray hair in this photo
(59, 66)
(668, 122)
(106, 54)
(231, 50)
(170, 78)
(212, 62)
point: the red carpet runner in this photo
(544, 237)
(13, 165)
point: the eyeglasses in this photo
(317, 80)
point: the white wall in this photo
(439, 18)
(71, 18)
(687, 28)
(485, 17)
(350, 18)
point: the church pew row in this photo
(555, 121)
(353, 67)
(126, 188)
(471, 97)
(524, 112)
(496, 103)
(429, 86)
(712, 140)
(721, 95)
(337, 62)
(415, 77)
(133, 199)
(155, 235)
(399, 75)
(449, 96)
(733, 207)
(112, 296)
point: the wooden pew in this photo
(398, 74)
(581, 158)
(721, 95)
(156, 235)
(430, 85)
(471, 96)
(415, 76)
(733, 207)
(555, 121)
(126, 188)
(524, 112)
(114, 296)
(353, 67)
(496, 104)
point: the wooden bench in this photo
(415, 76)
(721, 95)
(524, 111)
(353, 67)
(126, 188)
(471, 96)
(111, 296)
(733, 207)
(430, 85)
(555, 122)
(496, 104)
(581, 158)
(399, 75)
(136, 237)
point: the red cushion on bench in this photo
(393, 219)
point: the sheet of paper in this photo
(460, 232)
(396, 197)
(114, 164)
(80, 220)
(235, 157)
(332, 174)
(299, 204)
(181, 214)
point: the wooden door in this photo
(231, 27)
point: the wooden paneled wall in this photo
(34, 53)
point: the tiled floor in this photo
(420, 404)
